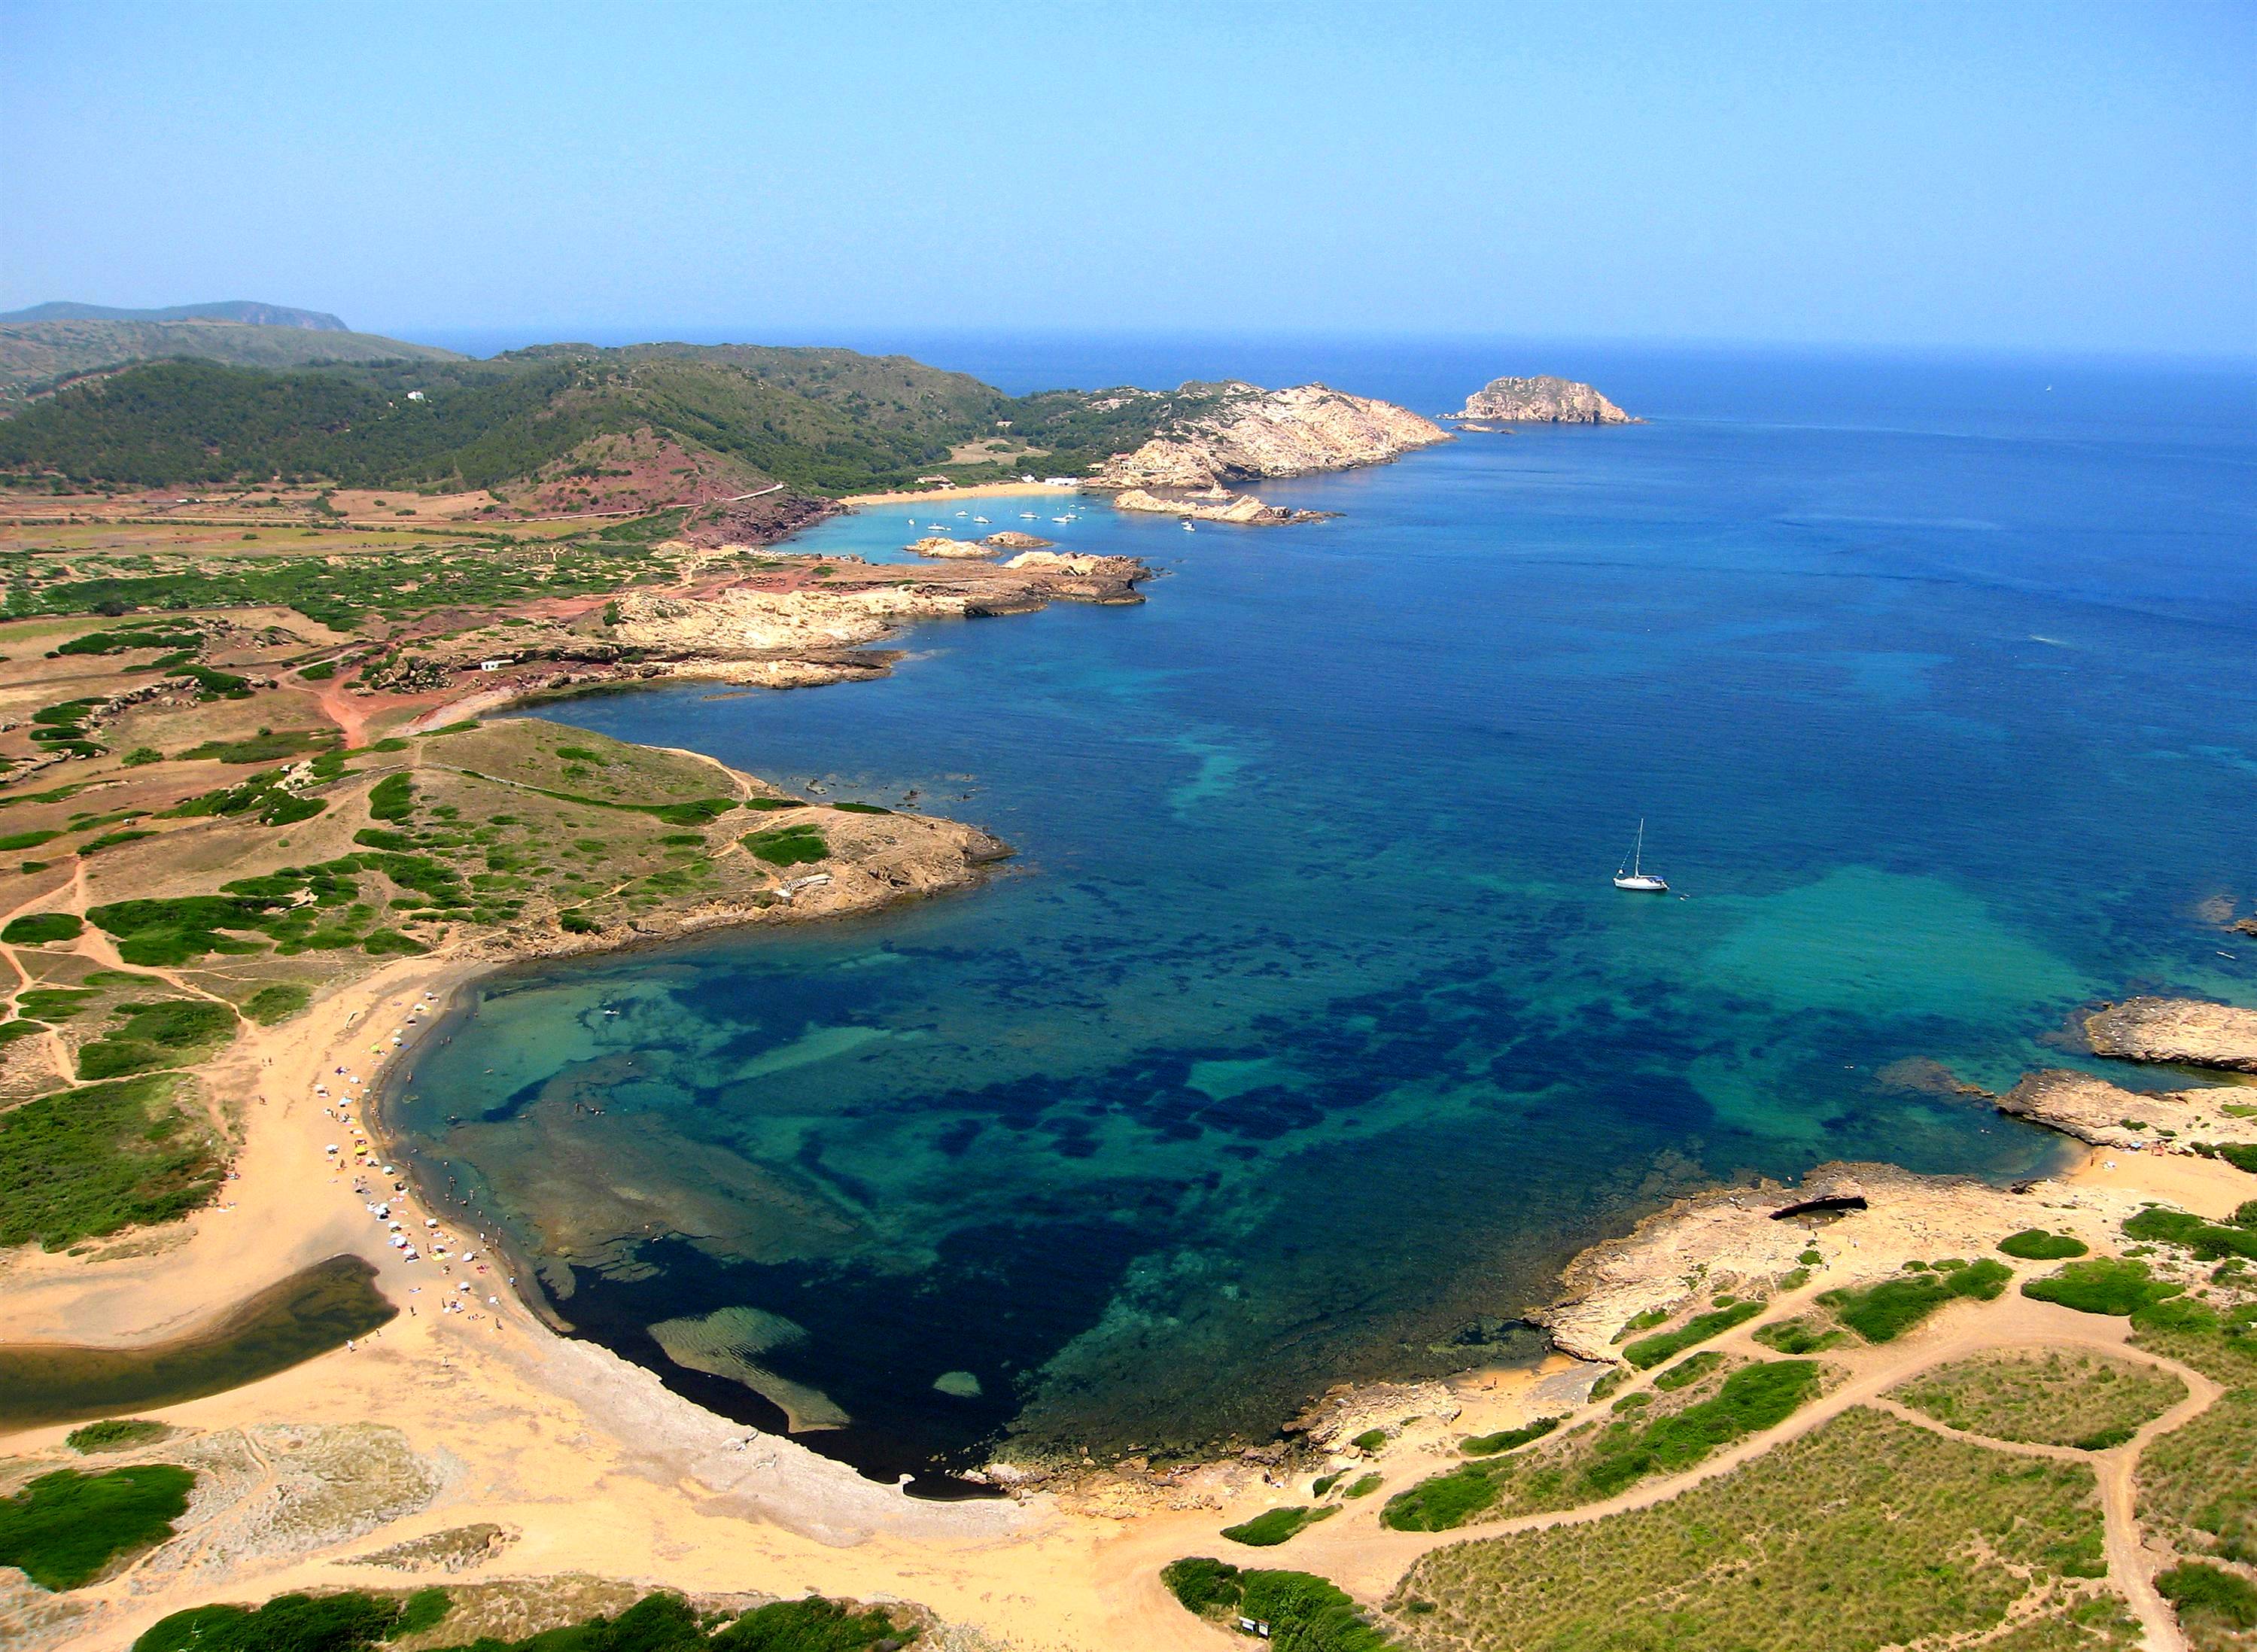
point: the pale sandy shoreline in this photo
(976, 490)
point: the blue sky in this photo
(2015, 176)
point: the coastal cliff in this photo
(1543, 399)
(2180, 1029)
(1242, 432)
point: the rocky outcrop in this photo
(1216, 504)
(1543, 399)
(1012, 539)
(941, 546)
(1237, 432)
(2182, 1030)
(2096, 1111)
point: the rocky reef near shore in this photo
(2094, 1110)
(1542, 400)
(1216, 504)
(2186, 1031)
(1240, 432)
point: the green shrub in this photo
(2103, 1285)
(1272, 1526)
(83, 1163)
(769, 805)
(1370, 1440)
(36, 929)
(1363, 1486)
(575, 922)
(2206, 1595)
(319, 673)
(270, 1005)
(2208, 1240)
(1506, 1439)
(26, 840)
(348, 1622)
(788, 846)
(392, 798)
(1885, 1311)
(116, 1434)
(1442, 1502)
(1688, 1371)
(384, 943)
(1752, 1399)
(264, 747)
(1795, 1336)
(860, 808)
(1649, 1351)
(54, 1003)
(1306, 1613)
(2035, 1244)
(65, 1527)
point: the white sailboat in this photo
(1633, 876)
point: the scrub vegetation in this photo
(1884, 1312)
(1303, 1614)
(1274, 1525)
(2051, 1397)
(65, 1527)
(1649, 1351)
(1867, 1532)
(86, 1162)
(1596, 1461)
(353, 1621)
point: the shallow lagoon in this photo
(1306, 1038)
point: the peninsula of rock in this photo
(2182, 1030)
(1237, 432)
(1543, 399)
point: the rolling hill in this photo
(234, 309)
(41, 355)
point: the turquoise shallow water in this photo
(1307, 1037)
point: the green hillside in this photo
(36, 356)
(824, 420)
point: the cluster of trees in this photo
(824, 420)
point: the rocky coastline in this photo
(2183, 1031)
(1542, 400)
(1244, 433)
(1216, 504)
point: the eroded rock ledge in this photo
(1216, 504)
(1242, 432)
(2182, 1030)
(2096, 1111)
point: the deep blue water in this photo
(1307, 1037)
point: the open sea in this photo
(1307, 1037)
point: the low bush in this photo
(64, 1527)
(83, 1163)
(2118, 1285)
(1649, 1351)
(270, 1005)
(2207, 1596)
(392, 798)
(357, 1622)
(1687, 1372)
(1272, 1526)
(1306, 1613)
(116, 1434)
(1364, 1487)
(36, 929)
(1884, 1312)
(2210, 1241)
(788, 846)
(2035, 1244)
(1506, 1439)
(1795, 1336)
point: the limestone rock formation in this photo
(1237, 432)
(2176, 1030)
(1012, 539)
(2096, 1111)
(941, 546)
(1543, 399)
(1215, 504)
